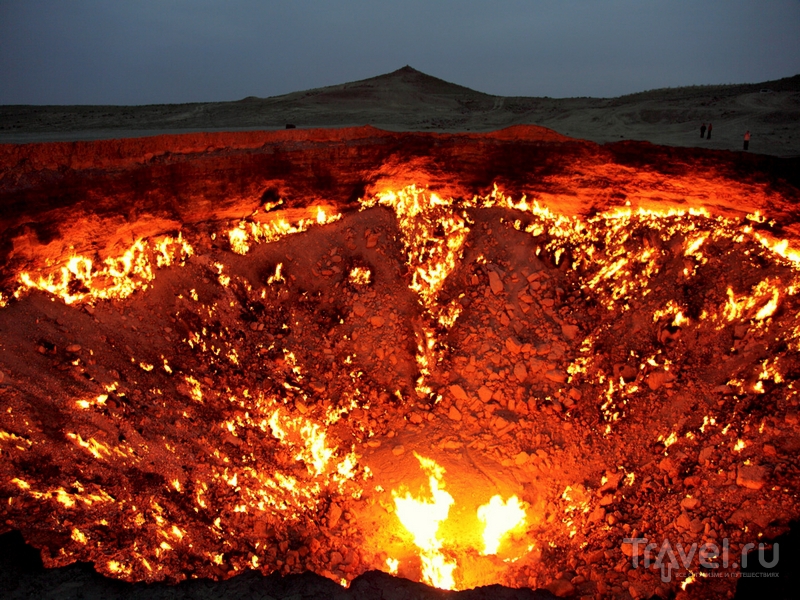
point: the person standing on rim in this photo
(708, 137)
(702, 131)
(746, 139)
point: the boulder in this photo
(484, 393)
(454, 414)
(495, 283)
(458, 392)
(561, 588)
(520, 372)
(752, 477)
(570, 332)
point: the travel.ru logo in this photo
(669, 558)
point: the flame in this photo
(80, 280)
(392, 564)
(246, 232)
(694, 245)
(670, 440)
(86, 404)
(422, 517)
(194, 389)
(500, 517)
(224, 280)
(737, 307)
(313, 449)
(97, 449)
(433, 235)
(779, 247)
(78, 536)
(690, 579)
(238, 240)
(434, 232)
(360, 276)
(278, 276)
(769, 308)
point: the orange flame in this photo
(80, 280)
(252, 231)
(499, 518)
(422, 517)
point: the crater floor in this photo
(250, 397)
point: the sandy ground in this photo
(407, 100)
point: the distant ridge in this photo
(786, 84)
(405, 88)
(406, 78)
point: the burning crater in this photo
(462, 359)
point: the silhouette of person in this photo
(746, 140)
(702, 131)
(708, 137)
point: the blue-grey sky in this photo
(159, 51)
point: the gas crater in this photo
(404, 366)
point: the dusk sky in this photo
(162, 51)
